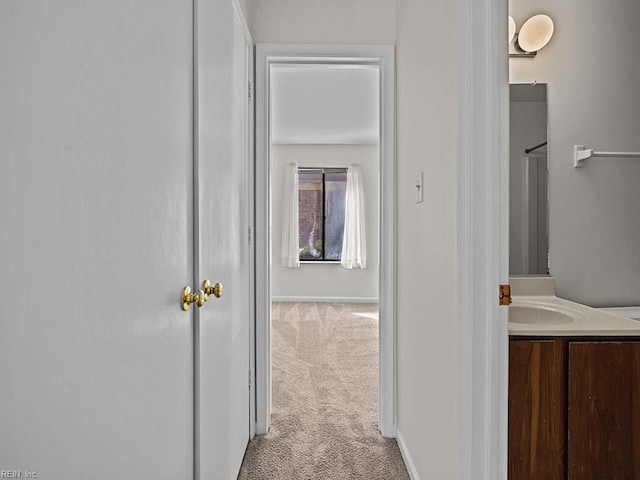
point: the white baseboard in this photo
(327, 299)
(406, 456)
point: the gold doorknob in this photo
(188, 298)
(216, 290)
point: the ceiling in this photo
(324, 104)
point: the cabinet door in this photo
(537, 410)
(604, 410)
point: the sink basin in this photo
(550, 316)
(538, 315)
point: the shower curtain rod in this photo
(529, 150)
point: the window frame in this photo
(323, 171)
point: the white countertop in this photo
(584, 321)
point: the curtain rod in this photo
(323, 169)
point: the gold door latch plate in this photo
(504, 297)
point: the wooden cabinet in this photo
(574, 409)
(604, 410)
(537, 410)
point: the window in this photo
(321, 207)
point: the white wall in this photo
(428, 353)
(425, 34)
(326, 280)
(246, 10)
(593, 71)
(323, 21)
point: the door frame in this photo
(483, 237)
(384, 56)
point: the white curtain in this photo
(354, 246)
(290, 242)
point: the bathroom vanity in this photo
(574, 388)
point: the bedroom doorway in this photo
(313, 160)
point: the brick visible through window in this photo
(321, 203)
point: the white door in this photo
(96, 180)
(223, 324)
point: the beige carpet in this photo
(325, 398)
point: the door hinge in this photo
(250, 234)
(250, 378)
(504, 297)
(250, 91)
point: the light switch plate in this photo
(419, 187)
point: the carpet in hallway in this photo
(325, 398)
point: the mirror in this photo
(528, 180)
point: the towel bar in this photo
(580, 154)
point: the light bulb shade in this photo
(512, 28)
(535, 33)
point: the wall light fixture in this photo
(534, 34)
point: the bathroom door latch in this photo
(504, 297)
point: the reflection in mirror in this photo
(528, 185)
